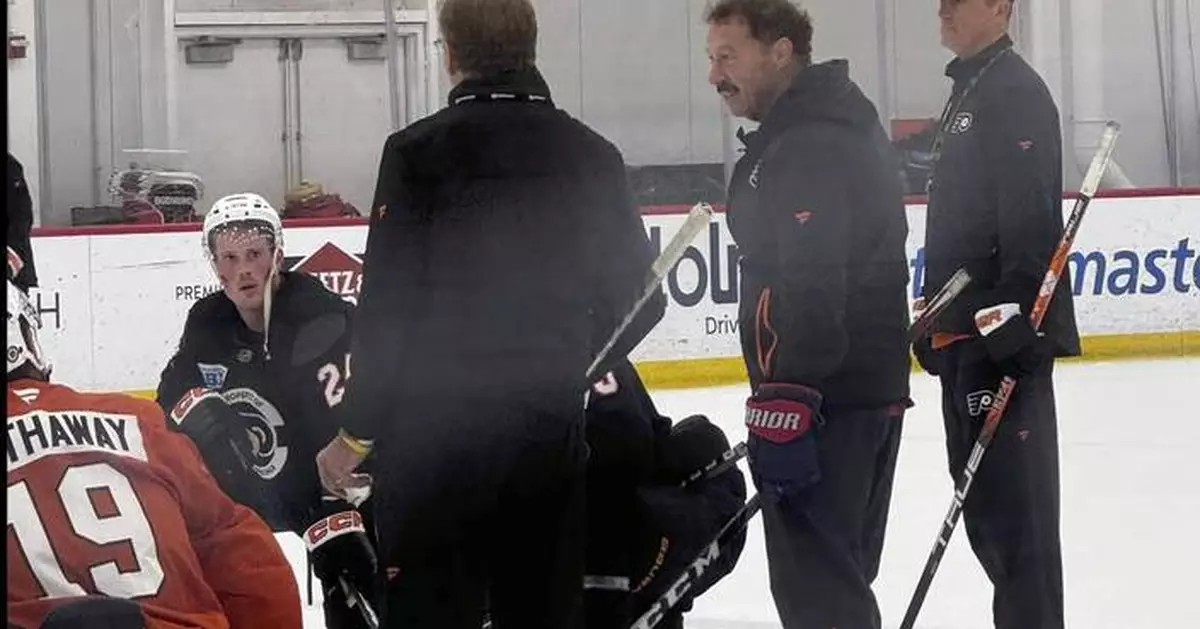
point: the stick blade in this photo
(697, 219)
(1100, 161)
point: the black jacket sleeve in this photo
(800, 316)
(619, 258)
(1023, 148)
(376, 334)
(19, 222)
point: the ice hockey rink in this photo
(1131, 504)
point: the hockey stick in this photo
(727, 460)
(355, 598)
(710, 554)
(696, 221)
(1058, 261)
(933, 307)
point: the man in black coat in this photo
(504, 249)
(816, 208)
(995, 208)
(18, 218)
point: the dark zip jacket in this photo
(817, 210)
(995, 199)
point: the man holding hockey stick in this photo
(995, 207)
(816, 208)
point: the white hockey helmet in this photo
(22, 332)
(244, 209)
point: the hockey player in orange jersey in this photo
(107, 507)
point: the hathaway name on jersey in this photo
(34, 435)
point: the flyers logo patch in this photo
(980, 402)
(962, 123)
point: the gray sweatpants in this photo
(823, 552)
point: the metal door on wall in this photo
(344, 118)
(231, 121)
(261, 114)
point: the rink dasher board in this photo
(114, 299)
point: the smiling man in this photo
(816, 208)
(995, 207)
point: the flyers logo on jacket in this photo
(339, 271)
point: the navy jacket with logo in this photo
(995, 200)
(291, 401)
(817, 210)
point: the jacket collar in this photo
(963, 69)
(811, 93)
(514, 85)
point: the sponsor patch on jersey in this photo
(339, 271)
(213, 376)
(264, 422)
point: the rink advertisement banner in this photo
(113, 304)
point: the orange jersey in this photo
(104, 499)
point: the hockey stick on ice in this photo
(1058, 261)
(696, 221)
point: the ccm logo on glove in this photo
(185, 403)
(332, 526)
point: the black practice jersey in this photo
(288, 390)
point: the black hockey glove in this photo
(222, 439)
(1012, 343)
(340, 550)
(929, 358)
(782, 420)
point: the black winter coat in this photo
(504, 248)
(817, 210)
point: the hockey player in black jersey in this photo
(643, 527)
(256, 383)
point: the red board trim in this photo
(648, 210)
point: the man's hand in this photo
(336, 463)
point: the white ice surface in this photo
(1130, 507)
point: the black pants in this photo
(485, 518)
(823, 553)
(1012, 511)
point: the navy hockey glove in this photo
(1012, 343)
(782, 420)
(222, 439)
(339, 549)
